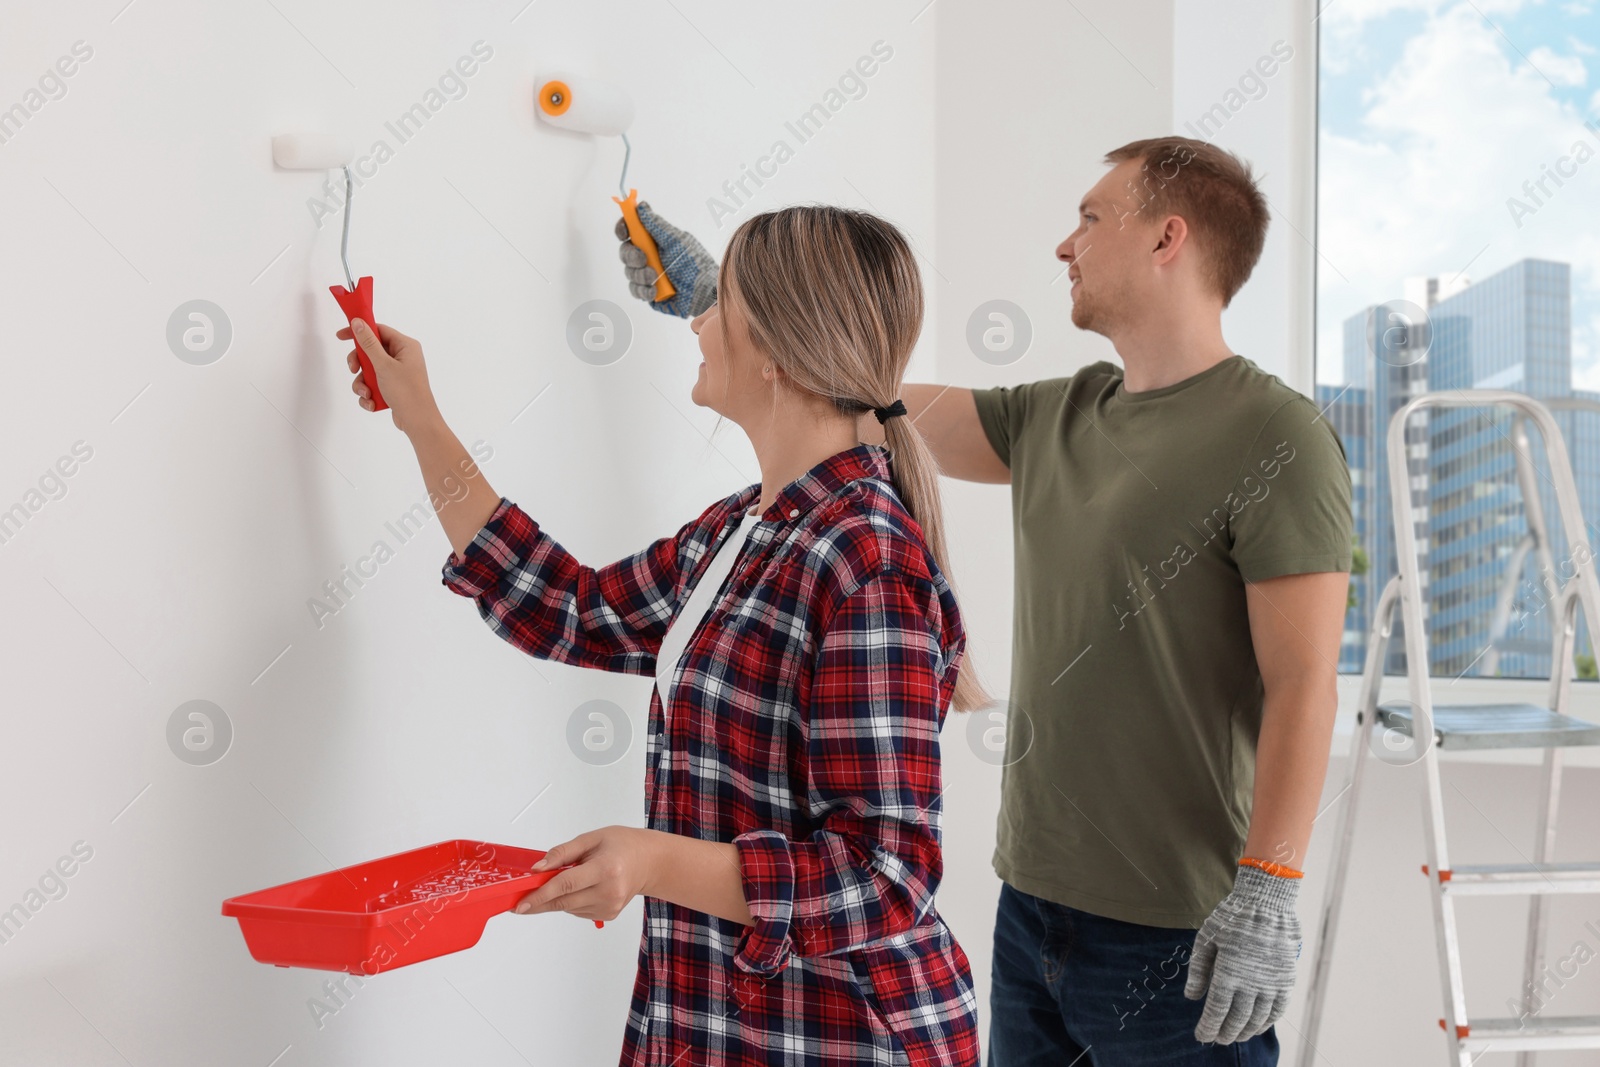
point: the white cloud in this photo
(1594, 102)
(1447, 135)
(1563, 70)
(1343, 13)
(1344, 23)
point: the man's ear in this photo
(1173, 235)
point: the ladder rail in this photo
(1564, 636)
(1537, 541)
(1571, 403)
(1500, 620)
(1412, 609)
(1564, 639)
(1533, 503)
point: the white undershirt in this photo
(687, 621)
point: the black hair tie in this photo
(897, 408)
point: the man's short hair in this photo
(1215, 193)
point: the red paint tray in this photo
(388, 912)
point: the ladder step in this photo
(1533, 1034)
(1482, 726)
(1504, 879)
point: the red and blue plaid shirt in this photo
(803, 727)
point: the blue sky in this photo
(1433, 114)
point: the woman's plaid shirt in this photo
(802, 726)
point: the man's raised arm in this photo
(947, 418)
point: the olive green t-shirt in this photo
(1135, 694)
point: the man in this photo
(1182, 532)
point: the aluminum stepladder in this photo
(1486, 726)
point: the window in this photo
(1458, 183)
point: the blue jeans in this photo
(1071, 989)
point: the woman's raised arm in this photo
(527, 587)
(460, 493)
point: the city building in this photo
(1486, 586)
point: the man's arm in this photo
(947, 418)
(1295, 624)
(1244, 953)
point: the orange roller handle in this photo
(640, 236)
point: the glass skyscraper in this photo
(1510, 331)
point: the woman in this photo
(793, 784)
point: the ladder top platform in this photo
(1485, 726)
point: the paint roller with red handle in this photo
(293, 151)
(357, 304)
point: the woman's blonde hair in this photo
(834, 298)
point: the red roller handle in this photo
(358, 305)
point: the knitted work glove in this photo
(1244, 958)
(688, 265)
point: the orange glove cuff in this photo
(1276, 869)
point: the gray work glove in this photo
(688, 265)
(1244, 957)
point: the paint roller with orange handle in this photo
(585, 105)
(640, 236)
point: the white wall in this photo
(218, 499)
(1233, 86)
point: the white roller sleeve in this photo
(311, 151)
(595, 107)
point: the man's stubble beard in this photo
(1091, 315)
